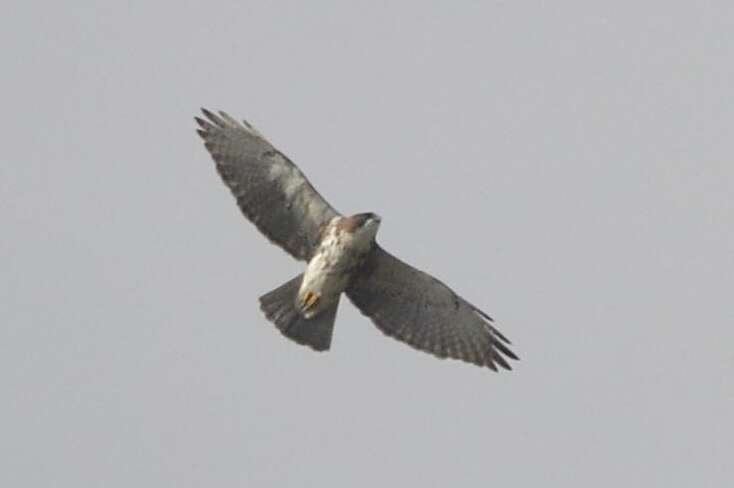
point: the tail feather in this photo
(279, 306)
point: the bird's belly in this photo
(326, 276)
(328, 284)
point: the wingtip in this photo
(505, 350)
(501, 361)
(213, 118)
(510, 354)
(501, 336)
(483, 314)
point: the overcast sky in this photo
(566, 166)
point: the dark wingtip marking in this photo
(493, 329)
(500, 360)
(213, 117)
(202, 123)
(501, 337)
(202, 133)
(506, 351)
(483, 314)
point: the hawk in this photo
(342, 256)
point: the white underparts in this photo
(327, 274)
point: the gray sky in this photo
(566, 166)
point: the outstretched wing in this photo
(270, 190)
(416, 308)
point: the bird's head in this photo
(362, 225)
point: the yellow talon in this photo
(310, 300)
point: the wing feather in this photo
(416, 308)
(270, 190)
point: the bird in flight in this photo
(342, 256)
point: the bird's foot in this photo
(310, 301)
